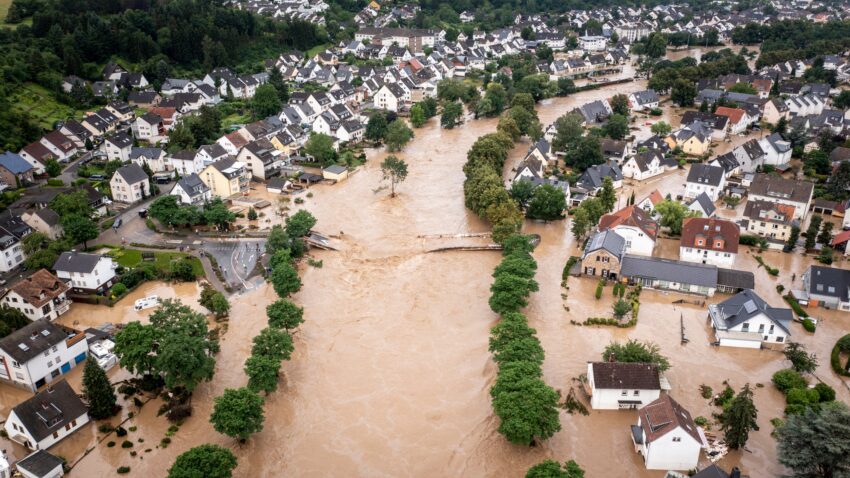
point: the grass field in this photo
(132, 257)
(41, 105)
(310, 53)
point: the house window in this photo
(16, 364)
(73, 423)
(677, 439)
(745, 327)
(770, 330)
(55, 349)
(780, 339)
(761, 328)
(636, 393)
(55, 434)
(50, 363)
(19, 375)
(624, 393)
(46, 353)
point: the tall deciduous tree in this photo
(204, 461)
(285, 279)
(620, 104)
(99, 394)
(394, 171)
(739, 418)
(238, 413)
(607, 196)
(263, 372)
(636, 352)
(527, 412)
(547, 203)
(452, 113)
(553, 469)
(266, 101)
(283, 314)
(397, 135)
(376, 128)
(321, 147)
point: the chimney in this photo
(34, 336)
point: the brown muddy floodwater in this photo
(391, 372)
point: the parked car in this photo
(143, 213)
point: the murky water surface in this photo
(391, 371)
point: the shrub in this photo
(122, 470)
(179, 412)
(110, 444)
(795, 306)
(701, 421)
(118, 290)
(105, 428)
(802, 396)
(809, 325)
(787, 379)
(127, 444)
(57, 183)
(825, 392)
(599, 288)
(120, 431)
(705, 391)
(133, 428)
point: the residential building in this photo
(39, 353)
(621, 385)
(42, 295)
(11, 250)
(643, 100)
(45, 221)
(738, 119)
(776, 189)
(769, 219)
(709, 241)
(86, 273)
(226, 178)
(262, 158)
(389, 97)
(117, 147)
(777, 150)
(666, 436)
(191, 190)
(603, 254)
(130, 184)
(704, 178)
(15, 170)
(666, 274)
(827, 287)
(746, 320)
(149, 127)
(592, 42)
(186, 162)
(47, 418)
(635, 226)
(702, 205)
(154, 158)
(40, 464)
(693, 139)
(648, 164)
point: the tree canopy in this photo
(204, 461)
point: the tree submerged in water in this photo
(394, 170)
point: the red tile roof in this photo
(630, 216)
(665, 415)
(734, 114)
(710, 232)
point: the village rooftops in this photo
(79, 262)
(229, 167)
(705, 174)
(630, 216)
(40, 288)
(622, 375)
(669, 270)
(606, 240)
(829, 281)
(775, 186)
(39, 463)
(32, 340)
(711, 234)
(50, 410)
(663, 416)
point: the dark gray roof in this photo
(192, 184)
(646, 96)
(669, 270)
(132, 173)
(623, 375)
(607, 240)
(76, 262)
(829, 281)
(335, 169)
(121, 140)
(712, 471)
(39, 463)
(705, 174)
(31, 340)
(704, 203)
(745, 305)
(151, 153)
(50, 410)
(48, 215)
(735, 279)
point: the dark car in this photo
(143, 213)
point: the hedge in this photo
(795, 306)
(835, 358)
(809, 325)
(599, 288)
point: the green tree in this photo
(273, 342)
(53, 168)
(252, 214)
(739, 418)
(553, 469)
(793, 236)
(80, 228)
(580, 224)
(300, 224)
(280, 86)
(801, 361)
(568, 130)
(787, 379)
(397, 135)
(263, 373)
(621, 308)
(321, 147)
(522, 190)
(285, 279)
(238, 413)
(394, 170)
(215, 302)
(376, 128)
(566, 86)
(825, 236)
(547, 203)
(587, 152)
(742, 87)
(607, 196)
(509, 293)
(656, 45)
(217, 213)
(266, 102)
(812, 231)
(417, 115)
(452, 114)
(204, 461)
(617, 127)
(634, 351)
(523, 100)
(181, 137)
(816, 443)
(98, 392)
(494, 102)
(509, 126)
(842, 101)
(511, 329)
(683, 92)
(673, 215)
(528, 412)
(277, 240)
(661, 128)
(620, 104)
(283, 314)
(76, 202)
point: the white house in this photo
(636, 226)
(709, 241)
(39, 352)
(117, 147)
(155, 158)
(149, 127)
(622, 386)
(11, 252)
(45, 419)
(643, 100)
(191, 190)
(41, 295)
(389, 97)
(130, 184)
(746, 320)
(186, 162)
(647, 164)
(667, 436)
(86, 273)
(777, 150)
(40, 464)
(592, 42)
(703, 178)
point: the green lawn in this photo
(4, 9)
(132, 257)
(41, 105)
(311, 52)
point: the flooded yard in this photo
(391, 373)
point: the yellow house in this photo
(226, 178)
(693, 139)
(374, 5)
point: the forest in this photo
(156, 37)
(794, 39)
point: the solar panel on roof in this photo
(750, 306)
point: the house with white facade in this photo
(666, 436)
(41, 295)
(704, 178)
(149, 127)
(191, 190)
(40, 464)
(389, 97)
(39, 353)
(154, 158)
(117, 147)
(47, 418)
(86, 273)
(647, 164)
(186, 162)
(777, 150)
(130, 184)
(827, 287)
(622, 386)
(776, 189)
(636, 226)
(592, 42)
(643, 100)
(746, 320)
(709, 241)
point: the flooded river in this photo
(391, 372)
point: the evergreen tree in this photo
(98, 391)
(739, 419)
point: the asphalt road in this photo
(236, 258)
